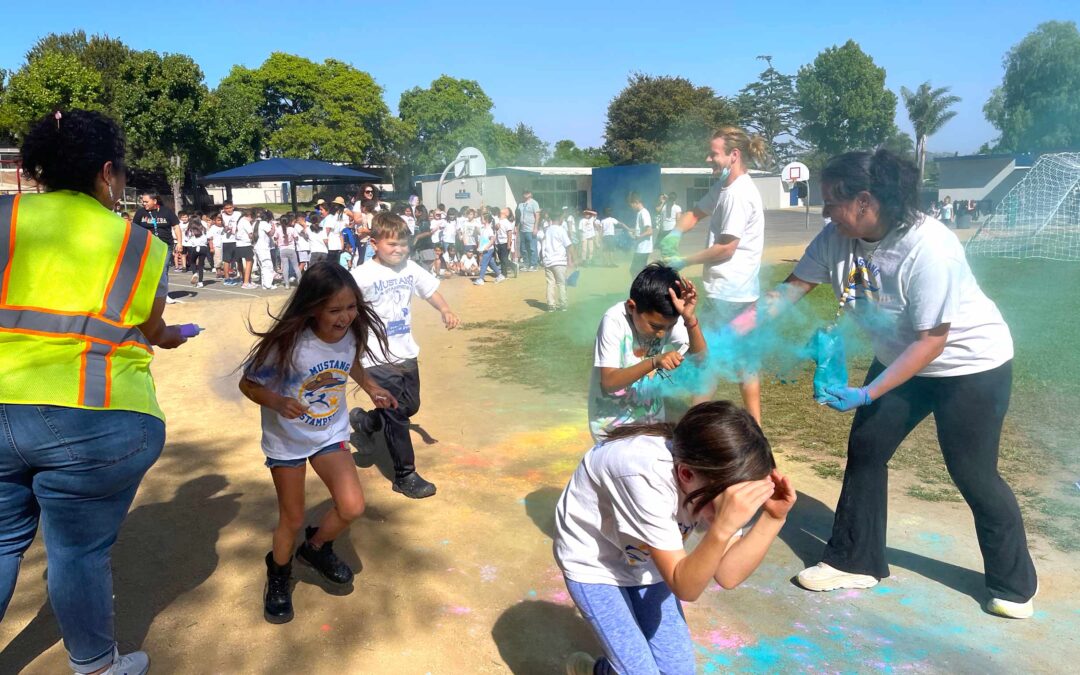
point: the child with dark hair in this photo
(388, 282)
(297, 372)
(621, 524)
(644, 336)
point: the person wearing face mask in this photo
(80, 311)
(731, 260)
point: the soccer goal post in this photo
(1039, 217)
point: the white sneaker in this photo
(169, 300)
(135, 663)
(194, 279)
(823, 577)
(1013, 610)
(580, 663)
(499, 279)
(199, 285)
(478, 282)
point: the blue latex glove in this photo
(847, 398)
(676, 263)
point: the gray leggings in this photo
(290, 265)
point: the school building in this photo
(585, 187)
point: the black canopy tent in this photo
(296, 171)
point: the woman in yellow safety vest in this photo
(81, 298)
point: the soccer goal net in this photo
(1039, 217)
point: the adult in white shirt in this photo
(940, 347)
(731, 260)
(529, 221)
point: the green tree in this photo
(100, 53)
(664, 119)
(928, 110)
(1037, 106)
(768, 107)
(567, 153)
(161, 99)
(843, 102)
(530, 150)
(443, 118)
(233, 123)
(53, 81)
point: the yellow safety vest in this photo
(75, 281)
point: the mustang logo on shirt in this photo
(323, 392)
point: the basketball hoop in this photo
(795, 172)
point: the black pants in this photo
(969, 411)
(402, 380)
(196, 260)
(504, 258)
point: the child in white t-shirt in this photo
(303, 403)
(638, 342)
(622, 522)
(388, 282)
(468, 265)
(555, 256)
(642, 235)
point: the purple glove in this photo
(189, 330)
(847, 398)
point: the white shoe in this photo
(199, 285)
(169, 300)
(194, 279)
(499, 279)
(135, 663)
(1013, 610)
(823, 577)
(580, 663)
(478, 282)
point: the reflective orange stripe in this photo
(11, 247)
(116, 271)
(138, 277)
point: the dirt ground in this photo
(464, 582)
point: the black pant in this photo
(402, 380)
(196, 259)
(969, 411)
(504, 258)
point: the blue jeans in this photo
(78, 470)
(528, 249)
(642, 628)
(488, 260)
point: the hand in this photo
(668, 360)
(736, 505)
(676, 263)
(847, 398)
(289, 408)
(687, 304)
(783, 497)
(449, 319)
(171, 338)
(381, 397)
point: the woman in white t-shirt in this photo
(621, 524)
(940, 346)
(317, 243)
(731, 259)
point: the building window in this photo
(554, 193)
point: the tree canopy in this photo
(768, 107)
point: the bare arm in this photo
(917, 356)
(155, 330)
(379, 396)
(289, 408)
(717, 253)
(437, 301)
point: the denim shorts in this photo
(341, 446)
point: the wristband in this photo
(693, 325)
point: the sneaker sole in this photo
(411, 496)
(835, 584)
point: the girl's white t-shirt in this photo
(262, 240)
(486, 234)
(587, 227)
(503, 230)
(317, 379)
(608, 226)
(437, 226)
(302, 243)
(622, 502)
(738, 213)
(244, 230)
(317, 241)
(332, 226)
(468, 232)
(920, 279)
(216, 234)
(449, 231)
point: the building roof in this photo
(281, 168)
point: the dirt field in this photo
(464, 582)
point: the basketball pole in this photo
(806, 203)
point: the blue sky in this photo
(555, 65)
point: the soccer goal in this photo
(1039, 217)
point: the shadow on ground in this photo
(535, 637)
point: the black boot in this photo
(324, 560)
(366, 421)
(277, 601)
(410, 484)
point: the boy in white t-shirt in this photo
(638, 341)
(608, 240)
(388, 283)
(555, 256)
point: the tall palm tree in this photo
(928, 110)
